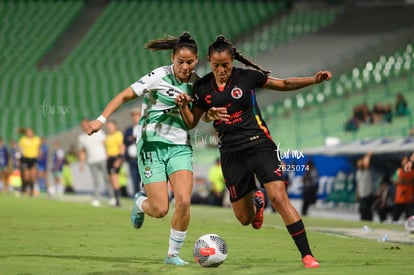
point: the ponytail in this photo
(222, 44)
(172, 43)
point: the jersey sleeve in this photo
(197, 101)
(260, 78)
(198, 94)
(147, 82)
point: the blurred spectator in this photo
(92, 152)
(388, 114)
(72, 154)
(404, 192)
(352, 125)
(377, 113)
(15, 155)
(123, 181)
(15, 181)
(384, 201)
(4, 166)
(67, 177)
(365, 187)
(42, 175)
(381, 113)
(217, 184)
(310, 181)
(362, 114)
(29, 146)
(71, 157)
(131, 135)
(401, 106)
(57, 168)
(200, 191)
(409, 164)
(115, 150)
(15, 178)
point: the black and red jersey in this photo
(245, 127)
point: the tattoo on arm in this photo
(297, 83)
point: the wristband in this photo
(102, 119)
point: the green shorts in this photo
(158, 160)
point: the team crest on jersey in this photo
(148, 172)
(236, 93)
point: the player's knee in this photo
(160, 211)
(279, 202)
(183, 204)
(244, 219)
(245, 222)
(161, 214)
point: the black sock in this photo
(298, 233)
(24, 186)
(117, 195)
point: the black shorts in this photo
(110, 165)
(241, 167)
(27, 163)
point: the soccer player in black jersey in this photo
(227, 96)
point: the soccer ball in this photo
(409, 224)
(210, 250)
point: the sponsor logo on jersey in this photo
(148, 172)
(236, 93)
(173, 92)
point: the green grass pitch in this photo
(44, 236)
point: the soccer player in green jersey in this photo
(164, 150)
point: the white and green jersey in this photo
(161, 118)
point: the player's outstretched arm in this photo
(295, 83)
(116, 102)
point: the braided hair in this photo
(173, 43)
(222, 44)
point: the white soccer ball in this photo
(409, 224)
(210, 250)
